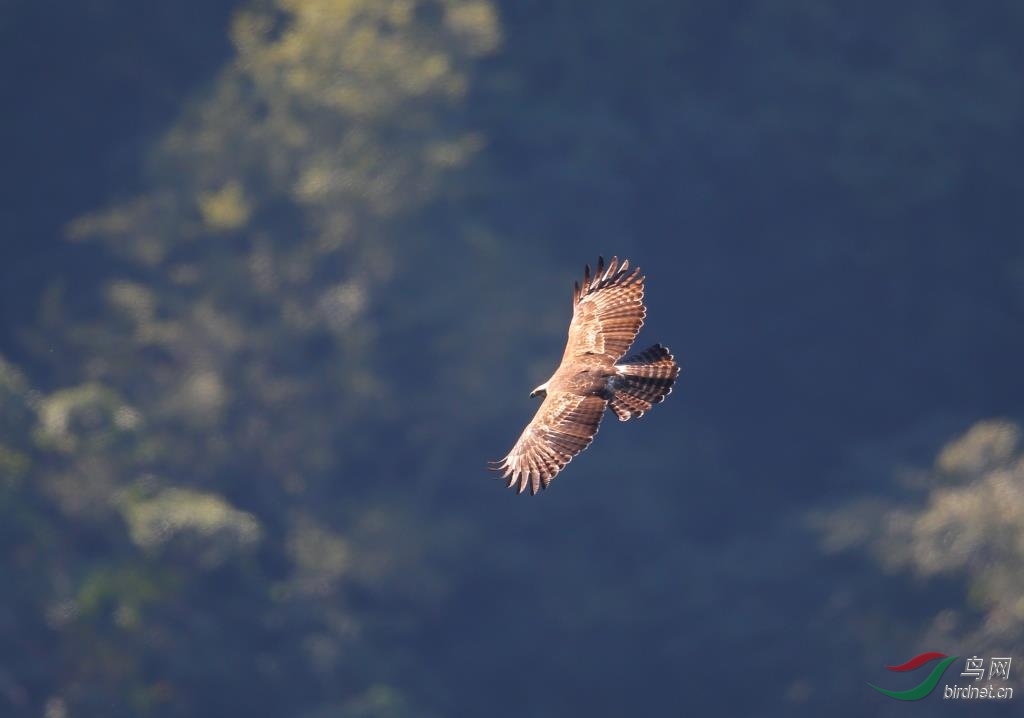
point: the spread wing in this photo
(608, 311)
(563, 426)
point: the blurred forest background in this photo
(276, 278)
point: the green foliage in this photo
(969, 524)
(208, 525)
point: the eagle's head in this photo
(541, 391)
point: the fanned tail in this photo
(643, 380)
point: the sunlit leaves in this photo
(967, 522)
(203, 523)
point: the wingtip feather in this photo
(610, 271)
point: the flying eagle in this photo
(608, 311)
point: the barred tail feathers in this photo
(643, 380)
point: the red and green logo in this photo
(927, 685)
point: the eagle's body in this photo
(588, 375)
(608, 311)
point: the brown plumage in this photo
(608, 311)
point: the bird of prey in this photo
(608, 311)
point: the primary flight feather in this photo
(608, 311)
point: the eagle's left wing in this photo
(563, 426)
(608, 311)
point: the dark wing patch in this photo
(608, 311)
(563, 426)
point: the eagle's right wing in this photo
(563, 426)
(608, 311)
